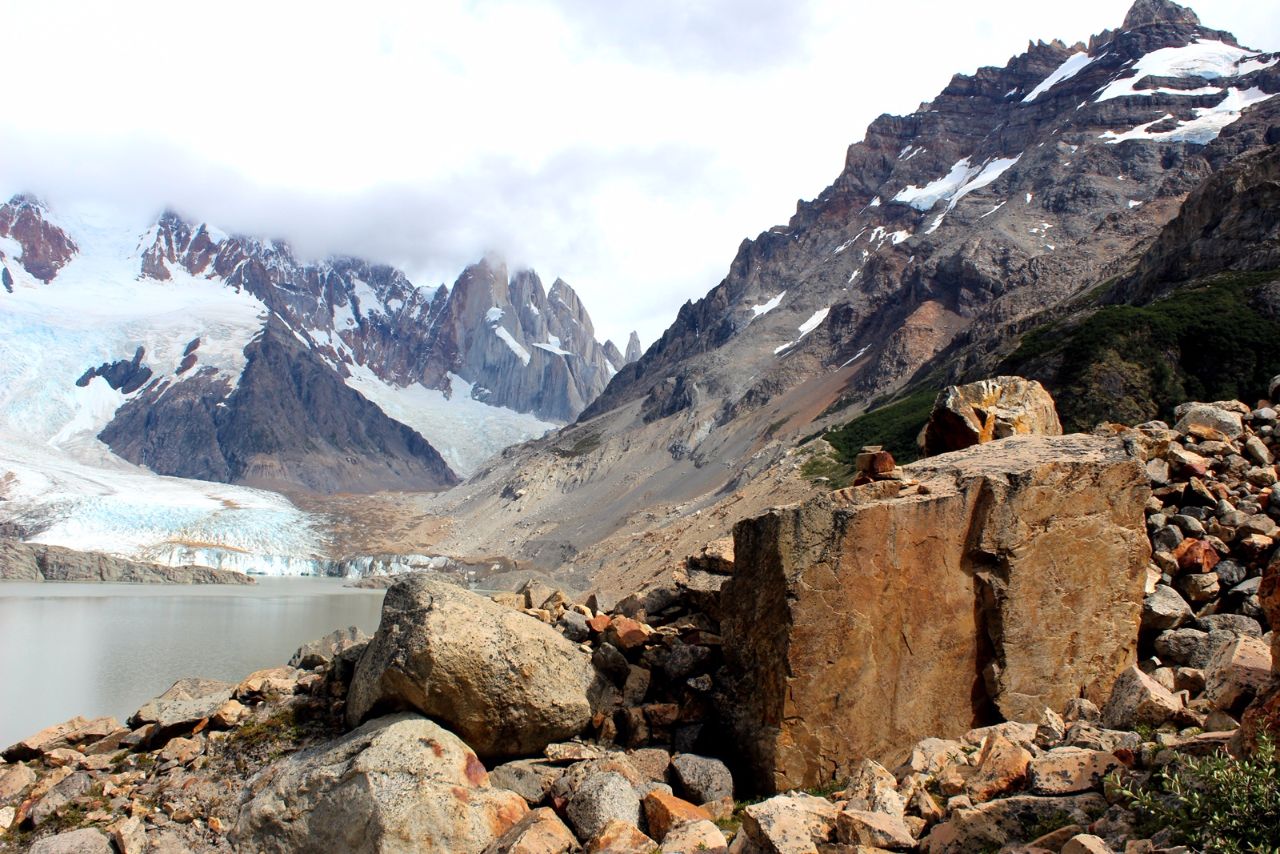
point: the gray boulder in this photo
(321, 651)
(507, 684)
(702, 779)
(85, 841)
(600, 799)
(398, 783)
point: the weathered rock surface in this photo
(539, 832)
(507, 684)
(397, 783)
(990, 409)
(876, 590)
(321, 651)
(182, 707)
(85, 841)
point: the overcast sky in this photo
(625, 146)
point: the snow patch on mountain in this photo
(464, 430)
(1072, 66)
(1204, 128)
(1208, 59)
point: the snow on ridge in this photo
(1209, 59)
(1072, 66)
(494, 315)
(521, 353)
(1204, 128)
(366, 297)
(553, 349)
(774, 302)
(962, 180)
(812, 323)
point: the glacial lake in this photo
(71, 649)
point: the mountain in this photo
(1016, 190)
(202, 355)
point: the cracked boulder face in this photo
(982, 411)
(986, 585)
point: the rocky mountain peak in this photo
(634, 352)
(42, 247)
(1146, 12)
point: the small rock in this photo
(574, 626)
(6, 818)
(1257, 451)
(531, 779)
(229, 714)
(320, 652)
(1207, 421)
(872, 788)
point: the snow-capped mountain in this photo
(1016, 189)
(206, 356)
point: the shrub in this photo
(1215, 803)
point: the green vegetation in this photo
(894, 425)
(1215, 803)
(1206, 341)
(584, 445)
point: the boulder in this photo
(1238, 672)
(894, 589)
(600, 799)
(871, 787)
(1067, 770)
(702, 779)
(789, 824)
(1164, 608)
(1138, 700)
(874, 829)
(539, 832)
(1001, 768)
(1086, 843)
(621, 837)
(14, 780)
(529, 778)
(1208, 421)
(320, 652)
(663, 811)
(396, 783)
(1020, 818)
(179, 709)
(88, 840)
(506, 684)
(694, 837)
(990, 409)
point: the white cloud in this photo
(626, 147)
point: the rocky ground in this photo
(529, 722)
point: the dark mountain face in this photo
(1015, 188)
(289, 422)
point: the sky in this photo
(627, 147)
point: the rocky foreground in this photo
(952, 656)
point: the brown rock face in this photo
(1007, 579)
(46, 249)
(968, 415)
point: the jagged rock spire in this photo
(1145, 12)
